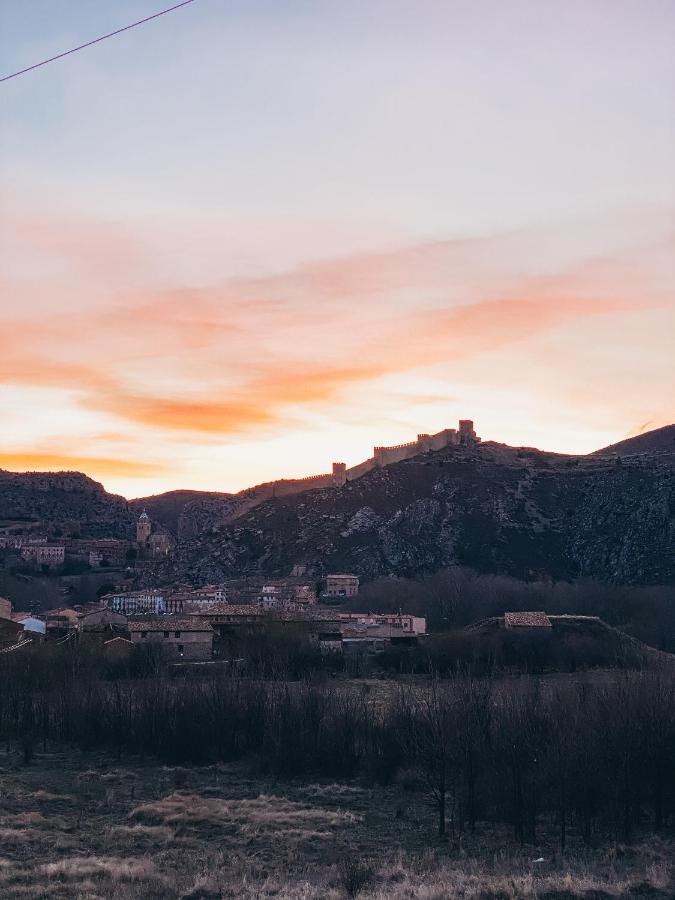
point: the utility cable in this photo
(97, 40)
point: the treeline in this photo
(594, 757)
(456, 597)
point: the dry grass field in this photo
(91, 827)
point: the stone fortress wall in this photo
(340, 475)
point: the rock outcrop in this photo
(67, 498)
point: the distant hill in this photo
(575, 642)
(609, 516)
(186, 513)
(661, 440)
(64, 498)
(493, 508)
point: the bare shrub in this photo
(132, 835)
(355, 876)
(49, 797)
(115, 868)
(264, 814)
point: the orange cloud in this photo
(98, 467)
(234, 357)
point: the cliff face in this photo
(64, 497)
(494, 508)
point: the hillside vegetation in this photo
(497, 509)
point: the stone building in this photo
(95, 618)
(159, 544)
(189, 639)
(398, 622)
(342, 585)
(527, 623)
(137, 602)
(50, 555)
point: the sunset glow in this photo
(226, 258)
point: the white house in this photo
(30, 623)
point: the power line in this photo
(96, 40)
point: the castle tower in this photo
(467, 435)
(339, 473)
(143, 529)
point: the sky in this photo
(249, 239)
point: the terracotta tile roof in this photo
(253, 611)
(229, 609)
(168, 623)
(526, 620)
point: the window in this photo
(144, 634)
(176, 633)
(180, 649)
(166, 634)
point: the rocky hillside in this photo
(661, 440)
(500, 509)
(67, 498)
(497, 509)
(187, 513)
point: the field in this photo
(76, 825)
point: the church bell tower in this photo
(143, 529)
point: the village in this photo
(188, 624)
(199, 625)
(184, 624)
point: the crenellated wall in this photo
(340, 475)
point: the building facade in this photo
(51, 555)
(186, 639)
(138, 602)
(342, 585)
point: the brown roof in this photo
(253, 611)
(168, 623)
(62, 612)
(229, 609)
(526, 620)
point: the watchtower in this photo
(143, 528)
(466, 433)
(339, 473)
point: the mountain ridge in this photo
(494, 508)
(533, 514)
(659, 440)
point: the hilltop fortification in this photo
(192, 512)
(464, 435)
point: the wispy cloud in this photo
(249, 356)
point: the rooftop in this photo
(168, 623)
(526, 620)
(224, 610)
